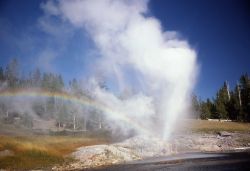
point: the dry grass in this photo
(213, 126)
(40, 151)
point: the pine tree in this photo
(221, 102)
(1, 75)
(12, 73)
(234, 106)
(36, 78)
(206, 109)
(245, 97)
(195, 107)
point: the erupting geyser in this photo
(135, 53)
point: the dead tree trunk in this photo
(74, 122)
(100, 122)
(85, 124)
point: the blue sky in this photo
(219, 30)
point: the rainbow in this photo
(35, 92)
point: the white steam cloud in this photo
(137, 54)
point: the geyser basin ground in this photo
(144, 149)
(189, 161)
(15, 138)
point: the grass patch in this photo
(38, 152)
(213, 126)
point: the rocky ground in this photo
(204, 142)
(142, 147)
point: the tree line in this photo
(227, 104)
(65, 113)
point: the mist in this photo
(141, 76)
(135, 53)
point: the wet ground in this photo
(235, 161)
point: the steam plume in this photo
(138, 55)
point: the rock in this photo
(224, 134)
(210, 148)
(134, 148)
